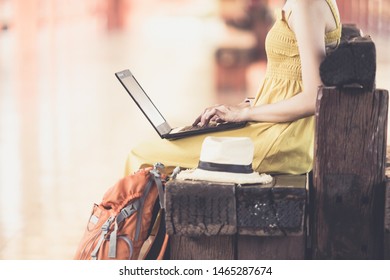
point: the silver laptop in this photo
(154, 116)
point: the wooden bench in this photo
(226, 221)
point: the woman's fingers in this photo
(196, 122)
(207, 116)
(215, 118)
(206, 112)
(219, 113)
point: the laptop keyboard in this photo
(191, 128)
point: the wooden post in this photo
(349, 174)
(386, 247)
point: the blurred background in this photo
(66, 124)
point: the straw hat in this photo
(226, 159)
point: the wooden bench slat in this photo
(272, 210)
(200, 208)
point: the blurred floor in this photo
(66, 124)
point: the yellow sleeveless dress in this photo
(279, 147)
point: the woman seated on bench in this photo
(281, 122)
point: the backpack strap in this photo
(147, 245)
(105, 228)
(140, 211)
(157, 179)
(163, 247)
(127, 211)
(123, 214)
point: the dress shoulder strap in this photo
(334, 13)
(288, 14)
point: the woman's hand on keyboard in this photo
(222, 113)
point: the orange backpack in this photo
(121, 227)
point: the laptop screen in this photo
(140, 97)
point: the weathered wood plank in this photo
(282, 234)
(218, 247)
(349, 174)
(271, 247)
(275, 209)
(387, 222)
(200, 208)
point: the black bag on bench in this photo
(353, 62)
